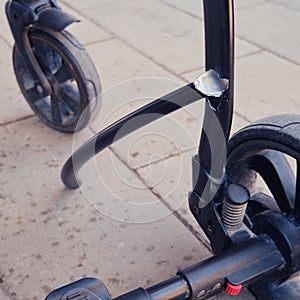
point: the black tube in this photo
(211, 273)
(138, 294)
(219, 56)
(174, 288)
(207, 278)
(219, 53)
(143, 116)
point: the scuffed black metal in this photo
(212, 152)
(143, 116)
(219, 56)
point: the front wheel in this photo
(71, 73)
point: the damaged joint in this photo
(211, 84)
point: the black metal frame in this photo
(242, 259)
(231, 268)
(219, 41)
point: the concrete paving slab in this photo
(129, 80)
(80, 5)
(123, 64)
(3, 295)
(171, 178)
(51, 236)
(151, 29)
(12, 105)
(242, 4)
(264, 26)
(289, 4)
(265, 85)
(111, 179)
(239, 121)
(193, 8)
(242, 49)
(5, 31)
(85, 31)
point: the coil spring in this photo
(233, 215)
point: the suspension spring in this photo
(234, 206)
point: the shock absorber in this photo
(234, 206)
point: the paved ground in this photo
(50, 235)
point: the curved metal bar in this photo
(155, 110)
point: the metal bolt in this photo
(217, 286)
(39, 89)
(210, 228)
(201, 294)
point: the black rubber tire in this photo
(280, 133)
(72, 75)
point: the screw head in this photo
(201, 294)
(196, 209)
(39, 89)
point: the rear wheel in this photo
(265, 157)
(268, 152)
(73, 78)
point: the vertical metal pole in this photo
(219, 50)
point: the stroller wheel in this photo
(73, 78)
(265, 157)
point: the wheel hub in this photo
(284, 232)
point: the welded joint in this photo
(211, 84)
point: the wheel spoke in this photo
(276, 172)
(62, 75)
(49, 60)
(71, 97)
(33, 95)
(55, 111)
(73, 105)
(297, 197)
(43, 61)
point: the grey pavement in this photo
(129, 224)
